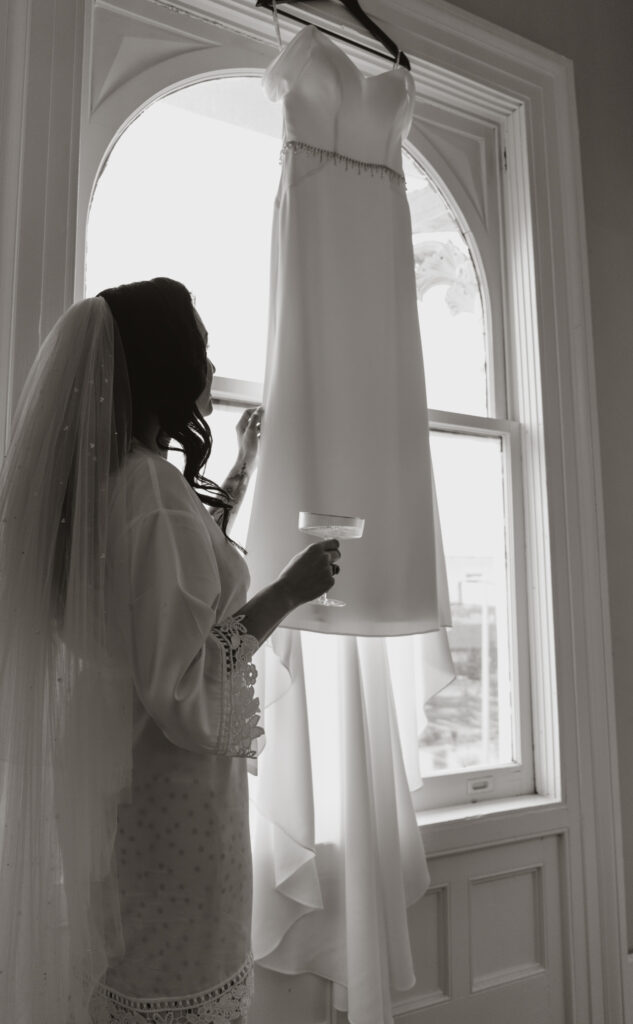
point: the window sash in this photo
(472, 784)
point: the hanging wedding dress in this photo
(337, 864)
(346, 416)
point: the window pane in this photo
(469, 722)
(188, 193)
(449, 301)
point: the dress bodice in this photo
(331, 105)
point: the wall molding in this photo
(38, 158)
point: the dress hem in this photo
(221, 1003)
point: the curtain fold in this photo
(337, 863)
(286, 883)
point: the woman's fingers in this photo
(240, 426)
(311, 572)
(333, 551)
(250, 418)
(331, 545)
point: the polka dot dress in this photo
(183, 861)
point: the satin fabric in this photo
(338, 856)
(346, 415)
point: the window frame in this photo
(485, 784)
(448, 789)
(514, 88)
(500, 781)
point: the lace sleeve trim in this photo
(217, 1005)
(240, 708)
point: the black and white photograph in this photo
(316, 512)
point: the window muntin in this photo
(221, 140)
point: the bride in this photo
(127, 709)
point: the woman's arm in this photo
(248, 432)
(192, 671)
(309, 574)
(236, 484)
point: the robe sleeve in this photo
(193, 674)
(287, 67)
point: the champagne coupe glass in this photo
(319, 524)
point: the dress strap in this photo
(277, 26)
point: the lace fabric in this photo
(240, 712)
(218, 1005)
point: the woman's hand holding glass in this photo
(312, 572)
(318, 524)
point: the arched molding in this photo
(124, 104)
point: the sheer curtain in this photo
(338, 855)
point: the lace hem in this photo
(294, 146)
(218, 1005)
(240, 710)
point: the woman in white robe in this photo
(123, 605)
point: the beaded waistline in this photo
(348, 162)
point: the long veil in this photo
(65, 708)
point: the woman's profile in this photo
(127, 709)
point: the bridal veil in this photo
(65, 707)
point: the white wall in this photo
(598, 36)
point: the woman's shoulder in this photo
(151, 483)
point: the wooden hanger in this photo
(359, 14)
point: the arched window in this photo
(187, 191)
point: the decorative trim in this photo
(240, 707)
(340, 159)
(215, 1005)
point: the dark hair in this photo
(167, 368)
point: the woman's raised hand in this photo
(248, 432)
(311, 573)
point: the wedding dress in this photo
(346, 429)
(338, 862)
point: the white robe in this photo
(183, 854)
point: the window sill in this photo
(464, 826)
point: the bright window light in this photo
(188, 192)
